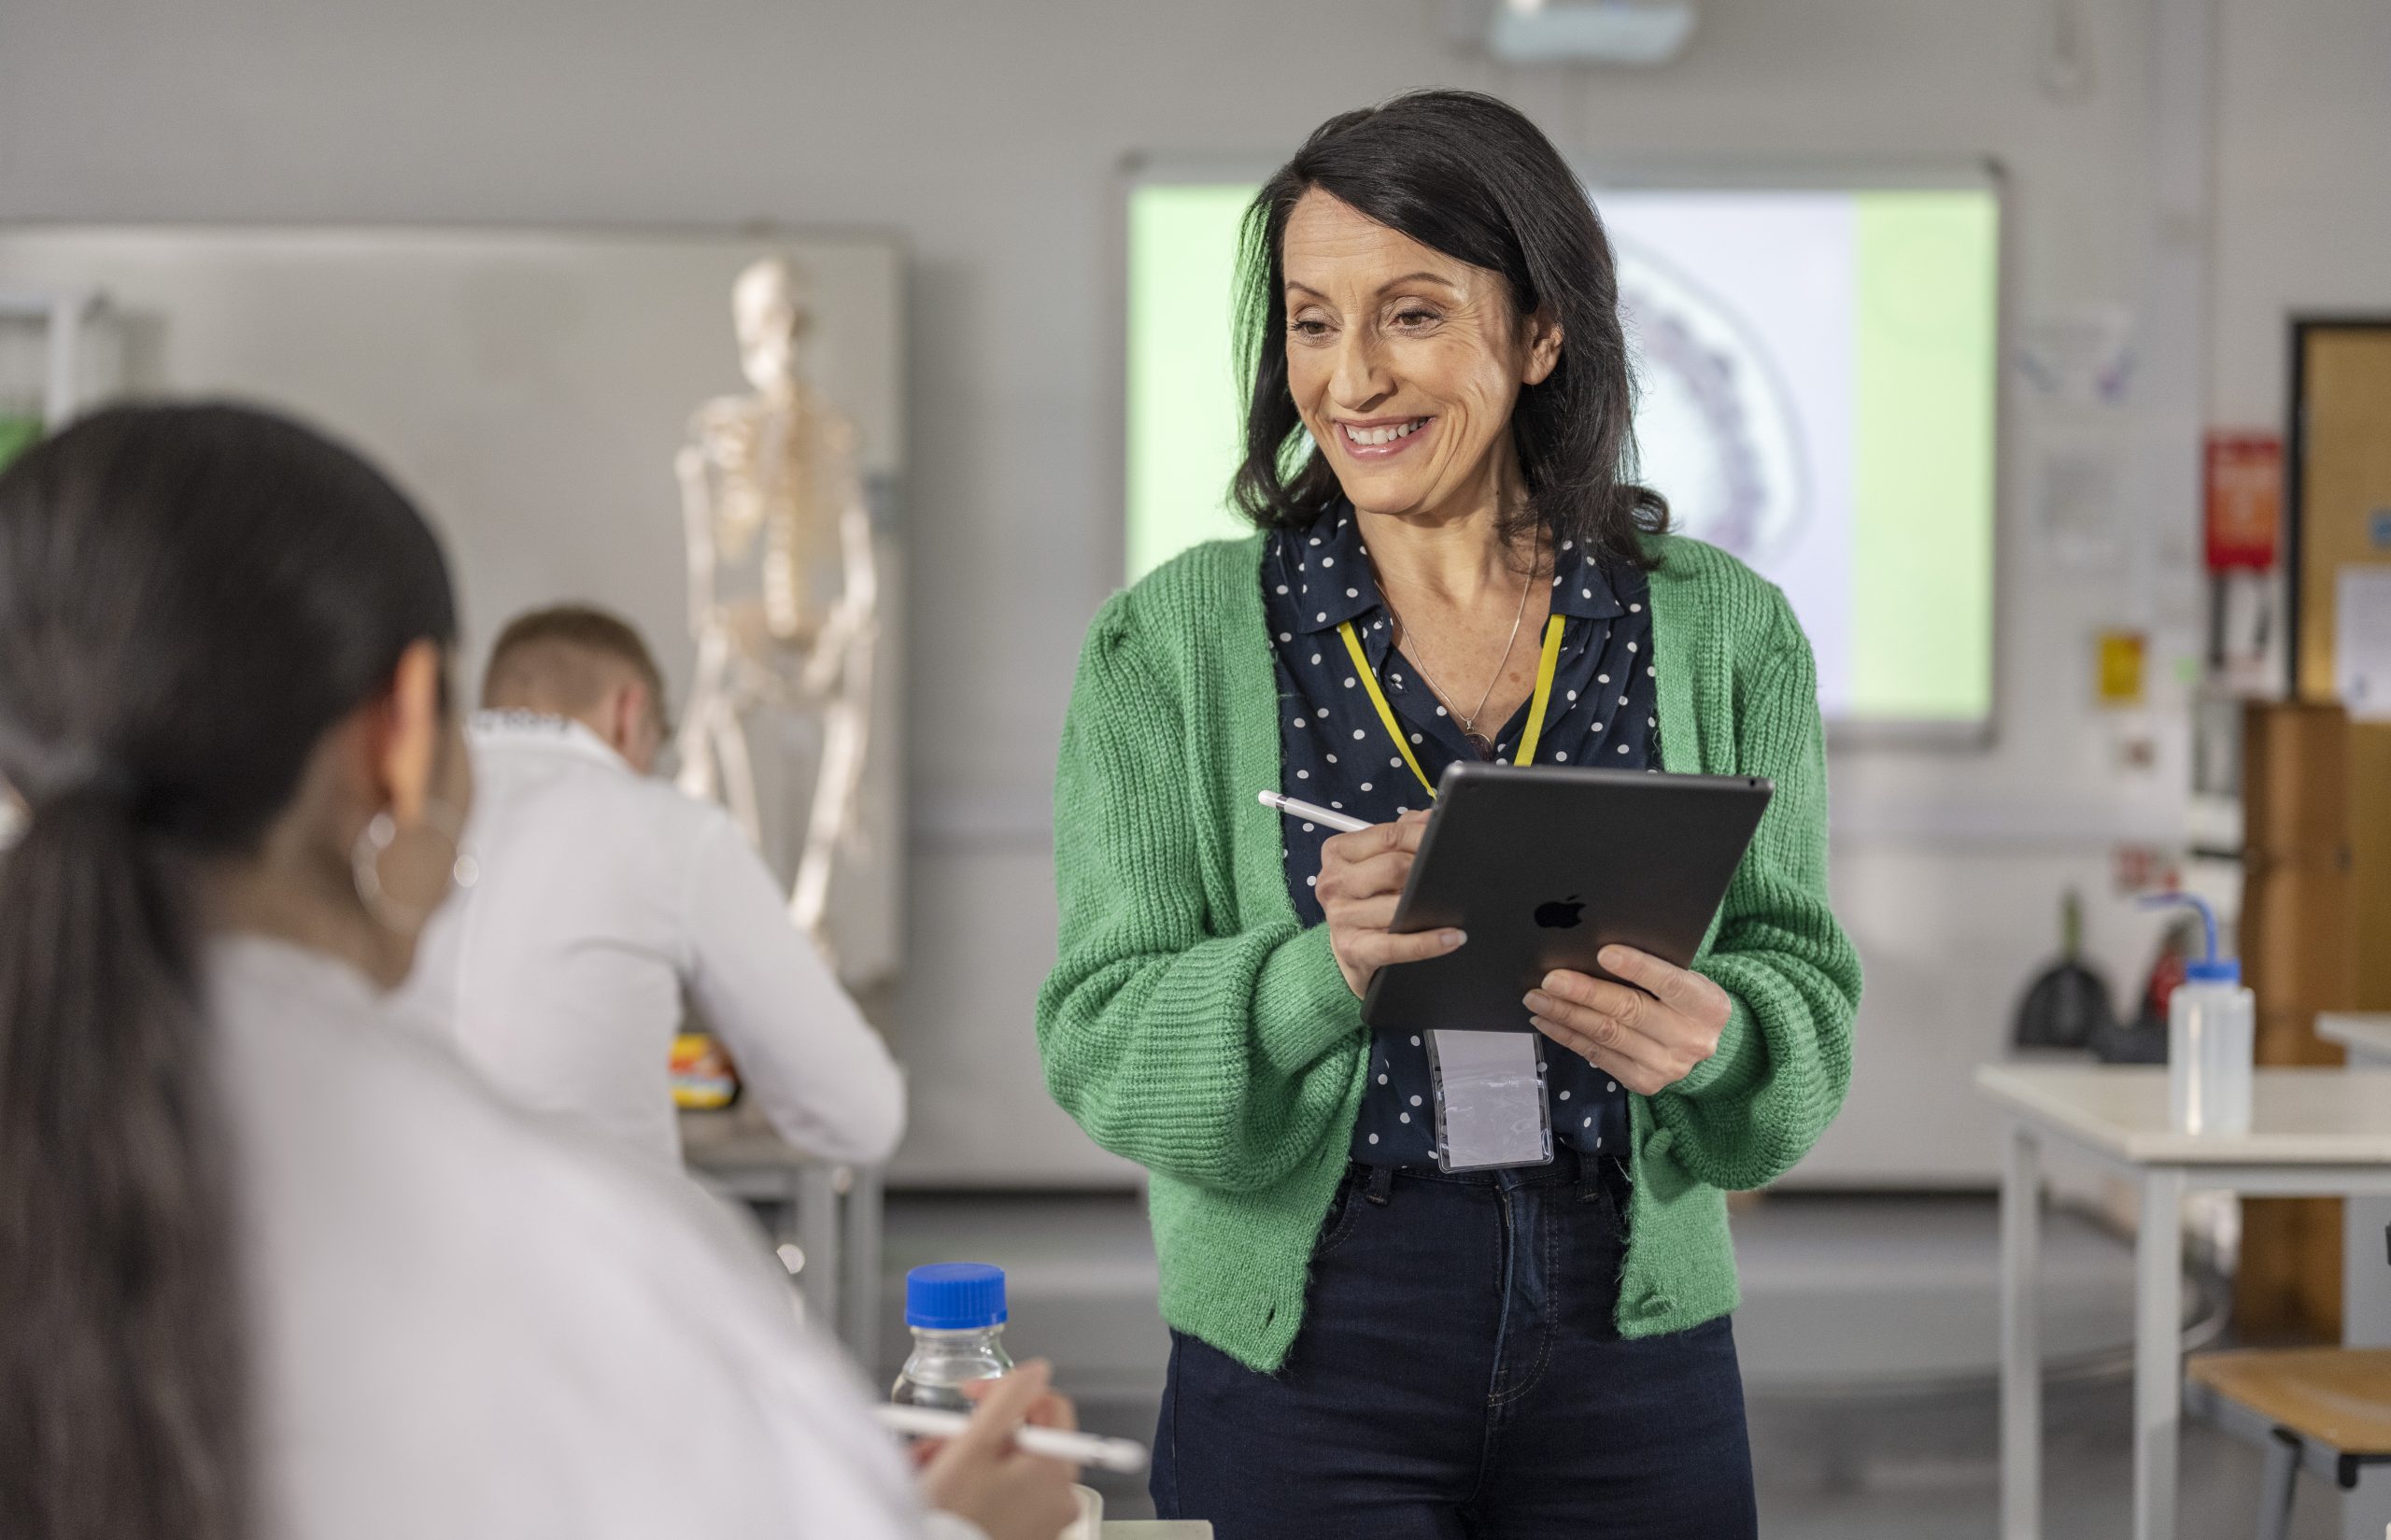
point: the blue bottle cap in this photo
(2211, 968)
(955, 1296)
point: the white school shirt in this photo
(606, 902)
(470, 1321)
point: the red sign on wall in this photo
(2245, 496)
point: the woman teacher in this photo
(1438, 453)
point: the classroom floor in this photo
(1867, 1333)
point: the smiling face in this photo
(1404, 363)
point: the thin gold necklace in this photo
(1478, 743)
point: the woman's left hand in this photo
(1646, 1041)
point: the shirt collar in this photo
(1581, 586)
(254, 968)
(1331, 567)
(537, 729)
(1336, 582)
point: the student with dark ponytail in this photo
(270, 1264)
(189, 602)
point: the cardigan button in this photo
(1656, 1305)
(1662, 1141)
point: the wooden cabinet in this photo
(2316, 800)
(2299, 956)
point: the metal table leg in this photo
(859, 1258)
(2365, 1272)
(815, 1190)
(2275, 1488)
(2021, 1362)
(2366, 1322)
(2157, 1350)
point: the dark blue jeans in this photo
(1459, 1374)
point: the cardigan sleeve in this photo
(1210, 1052)
(1745, 1116)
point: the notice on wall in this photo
(2120, 669)
(2362, 641)
(2076, 499)
(2243, 474)
(2081, 357)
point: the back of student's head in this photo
(564, 658)
(191, 597)
(578, 661)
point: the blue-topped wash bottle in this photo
(2212, 1027)
(956, 1310)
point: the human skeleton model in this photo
(768, 483)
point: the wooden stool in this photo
(2328, 1409)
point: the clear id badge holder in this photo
(1491, 1106)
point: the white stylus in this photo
(1123, 1455)
(1296, 808)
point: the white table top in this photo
(2300, 1117)
(2367, 1032)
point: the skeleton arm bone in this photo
(857, 611)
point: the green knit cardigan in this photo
(1195, 1026)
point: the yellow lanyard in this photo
(1545, 669)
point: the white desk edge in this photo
(2366, 1033)
(2041, 1094)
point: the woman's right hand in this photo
(981, 1475)
(1361, 877)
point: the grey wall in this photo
(989, 135)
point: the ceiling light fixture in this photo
(1588, 32)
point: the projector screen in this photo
(1817, 371)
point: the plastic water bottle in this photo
(2211, 1024)
(956, 1310)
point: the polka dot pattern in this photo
(1316, 579)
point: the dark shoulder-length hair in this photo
(1470, 176)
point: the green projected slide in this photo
(1816, 373)
(1922, 537)
(1186, 406)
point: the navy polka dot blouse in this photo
(1334, 750)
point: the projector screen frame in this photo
(1985, 173)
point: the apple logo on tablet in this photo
(1560, 915)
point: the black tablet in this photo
(1546, 866)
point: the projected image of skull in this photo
(1718, 433)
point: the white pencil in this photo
(1296, 808)
(1123, 1455)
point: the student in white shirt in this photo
(609, 906)
(271, 1264)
